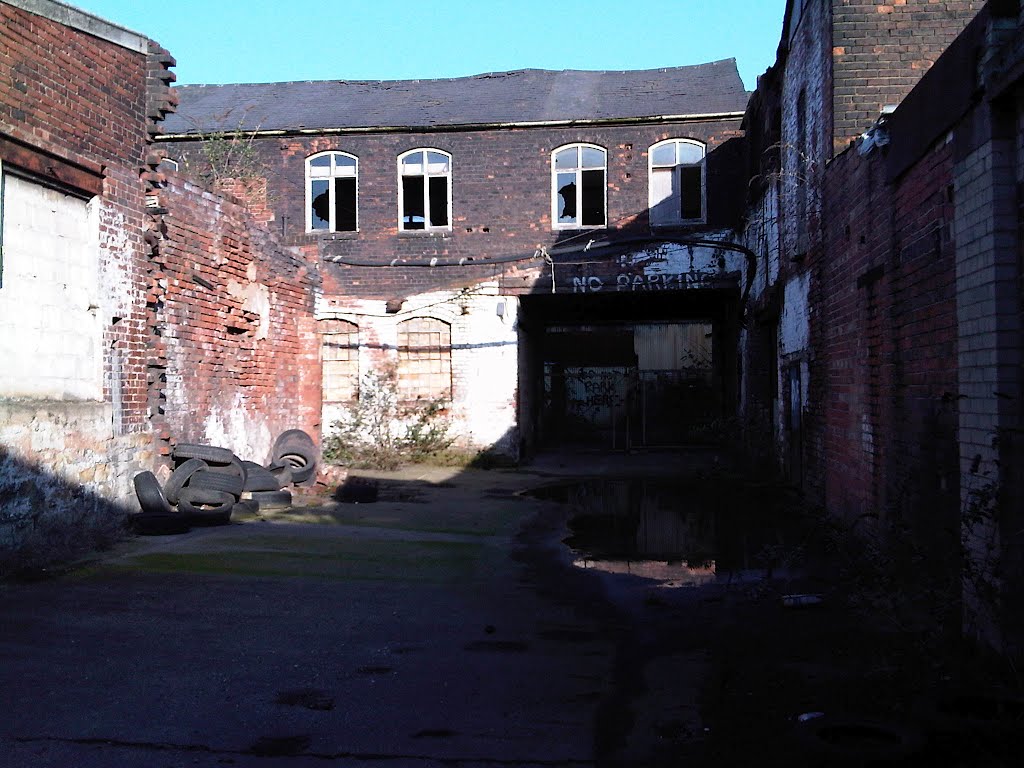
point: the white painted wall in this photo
(50, 328)
(484, 356)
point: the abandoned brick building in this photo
(504, 239)
(602, 259)
(883, 349)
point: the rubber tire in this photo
(234, 467)
(217, 514)
(206, 496)
(207, 453)
(151, 497)
(283, 473)
(260, 479)
(296, 439)
(179, 478)
(302, 468)
(213, 480)
(271, 499)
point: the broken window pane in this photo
(426, 194)
(413, 213)
(676, 185)
(438, 196)
(690, 192)
(567, 198)
(345, 204)
(320, 204)
(331, 192)
(592, 198)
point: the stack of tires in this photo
(208, 484)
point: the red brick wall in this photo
(884, 330)
(232, 311)
(84, 100)
(501, 196)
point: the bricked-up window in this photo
(331, 190)
(425, 201)
(424, 359)
(340, 353)
(578, 186)
(677, 184)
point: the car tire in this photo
(213, 480)
(151, 497)
(180, 476)
(203, 506)
(261, 480)
(208, 453)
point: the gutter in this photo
(454, 128)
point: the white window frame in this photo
(577, 169)
(676, 169)
(427, 175)
(334, 171)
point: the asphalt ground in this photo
(445, 625)
(441, 625)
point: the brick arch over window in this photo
(424, 359)
(339, 344)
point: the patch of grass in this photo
(436, 562)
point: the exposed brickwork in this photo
(501, 196)
(885, 334)
(235, 357)
(84, 99)
(881, 49)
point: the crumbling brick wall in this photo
(234, 347)
(79, 101)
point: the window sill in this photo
(323, 235)
(424, 233)
(688, 224)
(579, 228)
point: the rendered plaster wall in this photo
(484, 357)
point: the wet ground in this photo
(446, 623)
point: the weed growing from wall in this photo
(380, 431)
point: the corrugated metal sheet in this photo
(673, 346)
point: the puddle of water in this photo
(679, 534)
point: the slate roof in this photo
(520, 96)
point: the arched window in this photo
(677, 182)
(339, 343)
(425, 181)
(424, 359)
(578, 186)
(331, 190)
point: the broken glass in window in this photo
(414, 215)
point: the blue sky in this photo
(231, 41)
